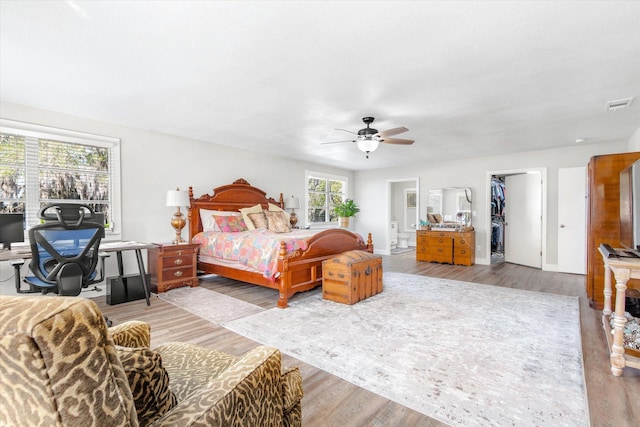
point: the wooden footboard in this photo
(298, 271)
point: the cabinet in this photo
(172, 266)
(603, 216)
(450, 247)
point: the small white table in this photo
(623, 269)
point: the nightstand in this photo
(172, 266)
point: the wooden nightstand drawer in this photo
(172, 266)
(177, 261)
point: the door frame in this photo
(390, 182)
(543, 209)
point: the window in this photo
(41, 165)
(323, 193)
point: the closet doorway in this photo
(517, 217)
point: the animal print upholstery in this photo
(131, 334)
(60, 367)
(149, 383)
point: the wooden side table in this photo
(172, 266)
(623, 269)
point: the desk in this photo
(23, 253)
(623, 269)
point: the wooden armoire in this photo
(603, 216)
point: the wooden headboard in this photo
(232, 197)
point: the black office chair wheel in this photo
(109, 322)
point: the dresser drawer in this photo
(446, 241)
(462, 241)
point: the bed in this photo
(296, 263)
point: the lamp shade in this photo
(177, 198)
(292, 203)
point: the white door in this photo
(572, 220)
(523, 219)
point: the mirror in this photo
(449, 207)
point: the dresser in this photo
(172, 266)
(449, 247)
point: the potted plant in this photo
(346, 210)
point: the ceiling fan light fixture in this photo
(368, 145)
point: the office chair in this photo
(64, 251)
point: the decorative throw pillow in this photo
(209, 223)
(149, 383)
(258, 220)
(230, 224)
(274, 208)
(277, 221)
(245, 214)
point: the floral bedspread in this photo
(257, 249)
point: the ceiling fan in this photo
(369, 138)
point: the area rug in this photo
(212, 306)
(463, 353)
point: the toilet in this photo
(403, 240)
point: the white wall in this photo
(634, 141)
(152, 163)
(371, 187)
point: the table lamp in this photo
(292, 203)
(177, 198)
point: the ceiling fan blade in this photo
(344, 130)
(391, 132)
(398, 141)
(337, 142)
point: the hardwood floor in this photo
(331, 401)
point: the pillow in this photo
(258, 219)
(149, 383)
(245, 214)
(274, 208)
(277, 221)
(230, 224)
(209, 223)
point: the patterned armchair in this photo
(62, 366)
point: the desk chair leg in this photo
(143, 275)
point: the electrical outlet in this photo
(478, 247)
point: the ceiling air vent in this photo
(618, 104)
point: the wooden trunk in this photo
(351, 277)
(603, 216)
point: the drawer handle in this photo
(178, 273)
(463, 252)
(462, 241)
(178, 261)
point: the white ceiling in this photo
(467, 78)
